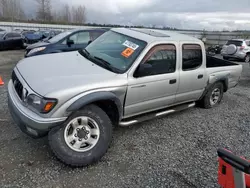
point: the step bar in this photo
(149, 116)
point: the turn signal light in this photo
(48, 106)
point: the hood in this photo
(61, 71)
(38, 44)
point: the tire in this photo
(66, 151)
(247, 58)
(207, 102)
(225, 58)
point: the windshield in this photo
(1, 35)
(27, 32)
(59, 36)
(235, 42)
(119, 50)
(38, 33)
(46, 34)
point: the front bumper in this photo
(29, 122)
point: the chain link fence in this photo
(209, 37)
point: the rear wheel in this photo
(213, 96)
(84, 138)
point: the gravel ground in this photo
(175, 151)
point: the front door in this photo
(192, 73)
(157, 89)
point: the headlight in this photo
(41, 105)
(36, 50)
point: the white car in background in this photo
(238, 49)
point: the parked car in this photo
(238, 49)
(10, 40)
(64, 42)
(124, 77)
(37, 36)
(25, 35)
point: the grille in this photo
(17, 84)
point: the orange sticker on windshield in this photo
(127, 52)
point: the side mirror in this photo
(70, 42)
(89, 42)
(144, 69)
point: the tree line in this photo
(12, 10)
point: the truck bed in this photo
(218, 68)
(216, 62)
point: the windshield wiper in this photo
(102, 60)
(85, 53)
(107, 64)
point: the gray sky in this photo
(183, 14)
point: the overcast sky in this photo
(182, 14)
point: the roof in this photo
(88, 29)
(239, 39)
(153, 35)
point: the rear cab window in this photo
(235, 42)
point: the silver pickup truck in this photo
(124, 77)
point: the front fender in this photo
(94, 97)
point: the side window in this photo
(191, 56)
(9, 35)
(83, 37)
(72, 37)
(16, 35)
(247, 42)
(162, 58)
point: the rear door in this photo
(17, 40)
(192, 72)
(8, 41)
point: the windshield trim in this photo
(114, 68)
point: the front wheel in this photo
(213, 96)
(84, 138)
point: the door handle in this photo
(172, 81)
(200, 76)
(138, 86)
